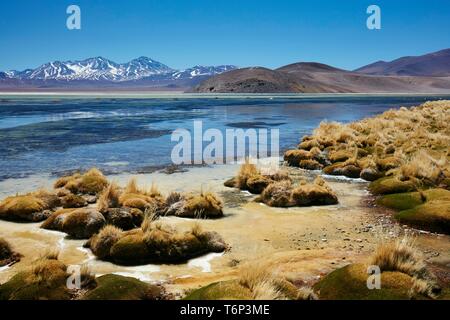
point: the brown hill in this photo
(433, 64)
(311, 77)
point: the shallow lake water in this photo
(52, 135)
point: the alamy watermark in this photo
(374, 20)
(374, 278)
(73, 282)
(73, 21)
(212, 146)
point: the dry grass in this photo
(278, 194)
(109, 198)
(102, 242)
(424, 167)
(135, 197)
(91, 182)
(206, 204)
(246, 171)
(413, 141)
(252, 179)
(47, 271)
(22, 207)
(285, 194)
(402, 256)
(263, 283)
(132, 187)
(153, 241)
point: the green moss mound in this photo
(130, 249)
(432, 216)
(389, 185)
(400, 201)
(409, 200)
(350, 283)
(116, 287)
(235, 290)
(426, 210)
(46, 280)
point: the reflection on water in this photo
(48, 136)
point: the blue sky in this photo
(183, 33)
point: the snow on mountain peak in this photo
(100, 68)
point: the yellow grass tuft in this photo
(400, 255)
(109, 198)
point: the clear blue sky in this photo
(183, 33)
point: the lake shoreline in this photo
(184, 95)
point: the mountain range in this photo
(102, 72)
(429, 73)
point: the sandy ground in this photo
(301, 243)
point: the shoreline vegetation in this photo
(403, 153)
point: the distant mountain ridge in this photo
(436, 64)
(100, 69)
(429, 73)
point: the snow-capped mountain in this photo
(102, 69)
(198, 71)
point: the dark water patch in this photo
(61, 135)
(254, 124)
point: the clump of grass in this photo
(251, 179)
(48, 271)
(73, 201)
(135, 197)
(407, 143)
(79, 223)
(109, 198)
(285, 194)
(399, 255)
(91, 182)
(278, 194)
(153, 242)
(246, 171)
(204, 205)
(402, 256)
(29, 207)
(102, 242)
(424, 168)
(173, 198)
(266, 285)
